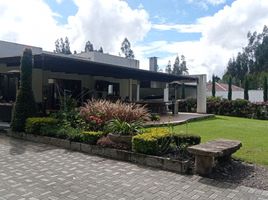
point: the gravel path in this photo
(242, 173)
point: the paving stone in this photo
(36, 171)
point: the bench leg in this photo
(203, 164)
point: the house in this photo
(87, 75)
(237, 92)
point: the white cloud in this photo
(223, 35)
(103, 22)
(206, 3)
(59, 1)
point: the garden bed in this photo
(129, 156)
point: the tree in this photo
(89, 47)
(126, 49)
(183, 66)
(25, 104)
(100, 50)
(180, 68)
(176, 67)
(168, 68)
(246, 89)
(213, 86)
(230, 88)
(265, 89)
(62, 46)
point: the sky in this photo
(206, 32)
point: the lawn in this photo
(252, 133)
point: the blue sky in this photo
(207, 32)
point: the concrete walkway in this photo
(180, 118)
(37, 171)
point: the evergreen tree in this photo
(246, 89)
(62, 46)
(176, 67)
(100, 50)
(89, 47)
(168, 68)
(126, 49)
(25, 104)
(213, 86)
(265, 89)
(230, 88)
(183, 67)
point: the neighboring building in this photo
(237, 92)
(86, 75)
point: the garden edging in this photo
(142, 159)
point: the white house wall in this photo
(254, 95)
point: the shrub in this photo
(155, 141)
(34, 125)
(154, 117)
(91, 137)
(119, 127)
(186, 140)
(106, 111)
(25, 106)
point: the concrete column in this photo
(130, 89)
(166, 93)
(201, 94)
(138, 92)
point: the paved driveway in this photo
(36, 171)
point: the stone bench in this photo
(206, 153)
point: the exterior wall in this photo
(254, 95)
(109, 59)
(9, 49)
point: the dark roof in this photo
(71, 64)
(223, 87)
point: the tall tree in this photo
(176, 67)
(62, 46)
(25, 104)
(265, 89)
(100, 50)
(246, 89)
(126, 49)
(179, 67)
(89, 47)
(230, 88)
(183, 66)
(213, 89)
(168, 68)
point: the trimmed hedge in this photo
(155, 141)
(186, 139)
(91, 137)
(34, 124)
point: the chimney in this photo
(153, 64)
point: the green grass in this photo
(252, 133)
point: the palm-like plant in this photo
(120, 127)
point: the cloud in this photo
(206, 3)
(59, 1)
(104, 23)
(107, 23)
(182, 28)
(223, 35)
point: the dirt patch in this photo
(238, 172)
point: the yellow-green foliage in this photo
(154, 141)
(91, 137)
(34, 124)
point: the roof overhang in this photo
(75, 65)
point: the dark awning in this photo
(76, 65)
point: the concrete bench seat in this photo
(206, 153)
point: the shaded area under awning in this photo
(76, 65)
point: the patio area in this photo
(180, 118)
(35, 171)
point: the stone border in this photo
(129, 156)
